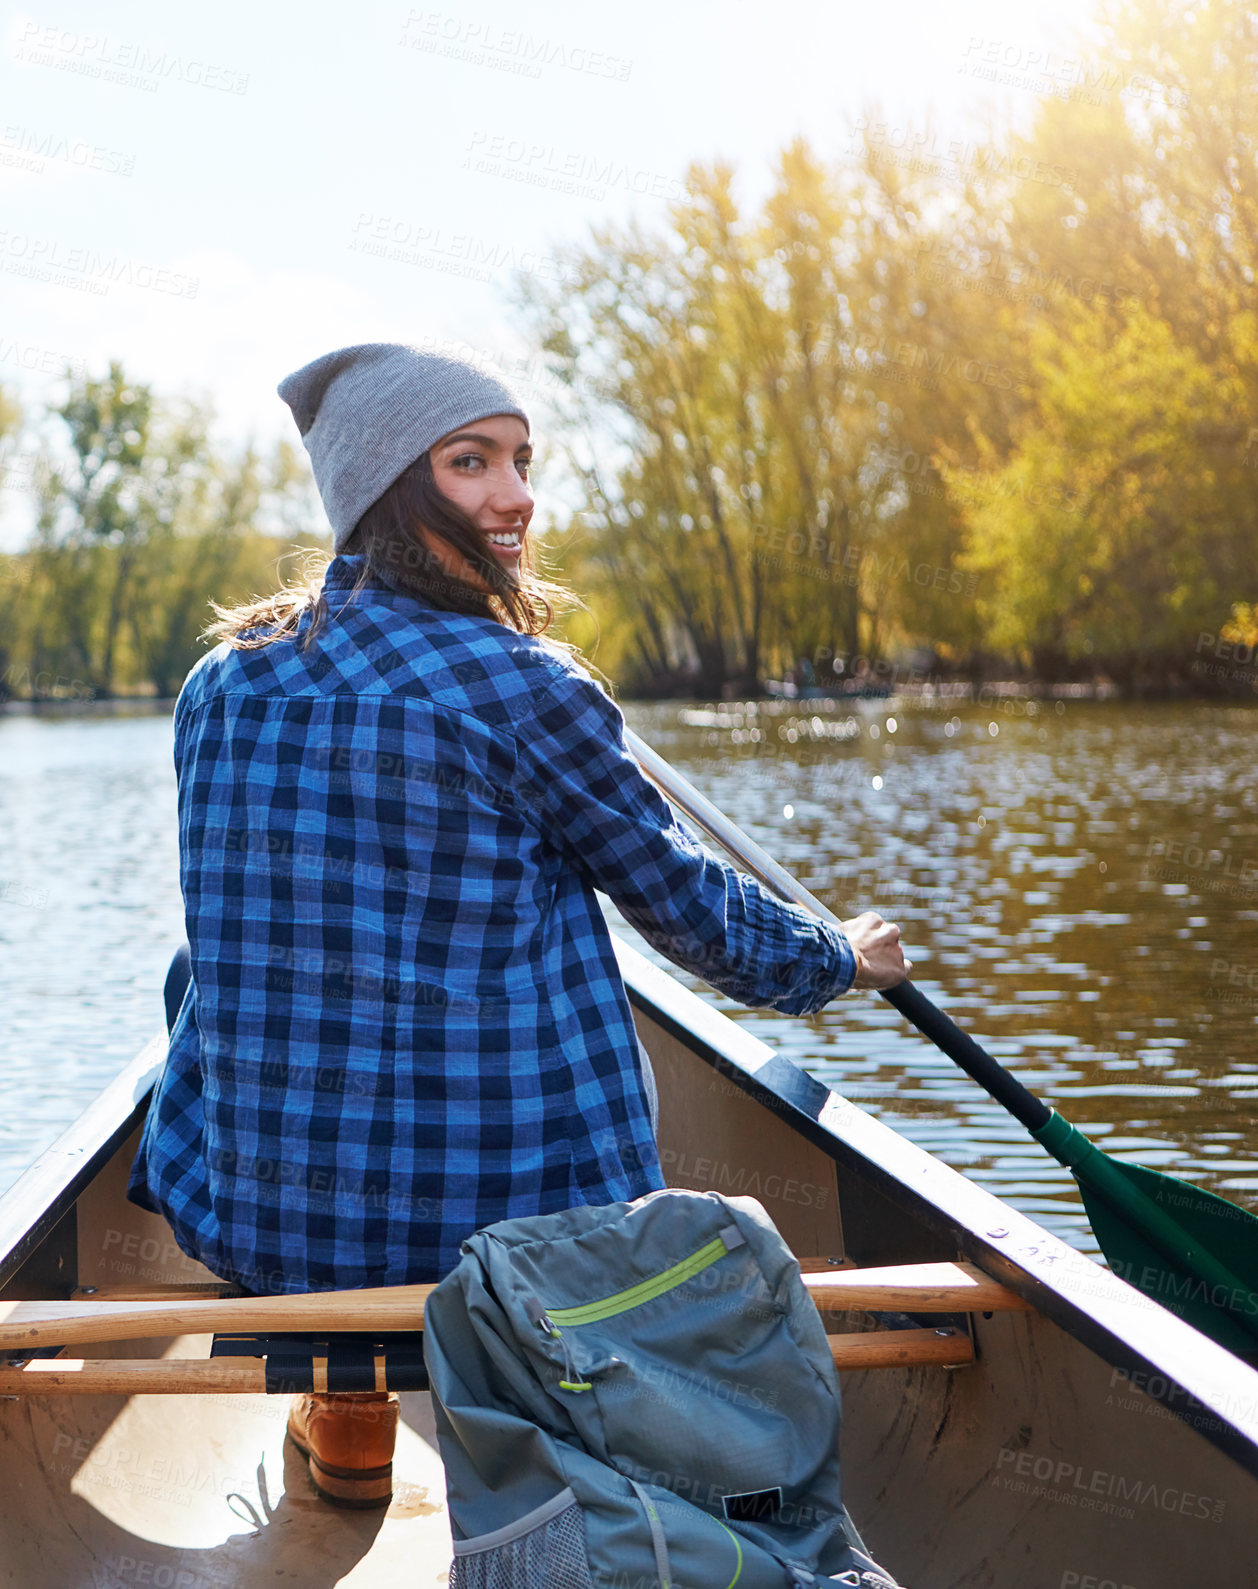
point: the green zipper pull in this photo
(548, 1326)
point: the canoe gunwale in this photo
(44, 1194)
(1080, 1297)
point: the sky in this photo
(217, 195)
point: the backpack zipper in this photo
(657, 1286)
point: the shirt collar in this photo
(343, 574)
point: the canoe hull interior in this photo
(1041, 1466)
(1039, 1461)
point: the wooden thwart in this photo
(162, 1376)
(60, 1376)
(902, 1349)
(911, 1288)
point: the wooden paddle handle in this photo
(27, 1326)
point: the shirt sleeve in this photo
(610, 822)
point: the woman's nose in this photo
(511, 490)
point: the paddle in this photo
(1195, 1253)
(35, 1325)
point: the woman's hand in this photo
(880, 961)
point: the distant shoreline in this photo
(105, 706)
(913, 692)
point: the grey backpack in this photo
(639, 1396)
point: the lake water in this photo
(1077, 884)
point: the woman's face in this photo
(484, 467)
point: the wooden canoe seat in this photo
(327, 1358)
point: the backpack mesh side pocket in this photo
(546, 1546)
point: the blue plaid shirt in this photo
(405, 1019)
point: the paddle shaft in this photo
(35, 1325)
(911, 1002)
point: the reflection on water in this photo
(1078, 888)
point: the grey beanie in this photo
(366, 413)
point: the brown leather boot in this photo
(349, 1439)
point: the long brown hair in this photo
(394, 555)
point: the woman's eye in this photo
(467, 459)
(524, 465)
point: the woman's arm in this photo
(612, 824)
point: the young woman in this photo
(404, 1018)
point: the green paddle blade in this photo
(1195, 1253)
(1177, 1286)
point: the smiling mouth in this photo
(506, 540)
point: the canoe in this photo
(1067, 1433)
